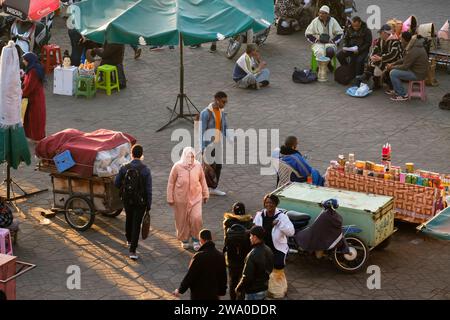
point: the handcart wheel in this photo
(112, 214)
(79, 213)
(356, 260)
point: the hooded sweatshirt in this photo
(415, 58)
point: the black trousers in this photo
(77, 49)
(357, 60)
(235, 275)
(133, 223)
(216, 166)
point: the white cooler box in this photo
(64, 81)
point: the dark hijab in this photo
(33, 63)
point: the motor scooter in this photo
(30, 36)
(236, 42)
(349, 257)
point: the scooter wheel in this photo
(356, 260)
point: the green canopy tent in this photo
(170, 22)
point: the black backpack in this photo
(303, 76)
(133, 189)
(237, 243)
(345, 74)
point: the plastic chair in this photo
(5, 242)
(107, 78)
(284, 173)
(51, 57)
(86, 87)
(417, 93)
(314, 64)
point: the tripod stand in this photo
(9, 187)
(182, 98)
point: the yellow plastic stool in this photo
(104, 80)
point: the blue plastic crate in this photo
(64, 161)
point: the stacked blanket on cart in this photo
(100, 152)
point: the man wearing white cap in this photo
(324, 32)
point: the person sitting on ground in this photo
(359, 38)
(387, 49)
(413, 67)
(250, 71)
(236, 243)
(290, 155)
(324, 32)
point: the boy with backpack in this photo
(135, 183)
(236, 244)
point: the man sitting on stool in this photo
(324, 32)
(357, 42)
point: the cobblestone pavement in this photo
(326, 120)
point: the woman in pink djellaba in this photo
(186, 192)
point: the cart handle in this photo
(27, 266)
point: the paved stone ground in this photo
(326, 120)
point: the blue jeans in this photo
(396, 78)
(256, 296)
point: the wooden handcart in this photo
(81, 198)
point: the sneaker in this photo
(390, 92)
(185, 244)
(196, 245)
(399, 98)
(133, 256)
(137, 53)
(217, 192)
(156, 48)
(195, 46)
(213, 48)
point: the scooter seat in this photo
(298, 216)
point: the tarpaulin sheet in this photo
(439, 226)
(83, 146)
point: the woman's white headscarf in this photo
(10, 87)
(186, 158)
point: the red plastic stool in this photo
(51, 57)
(417, 93)
(5, 242)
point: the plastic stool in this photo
(51, 57)
(314, 64)
(5, 242)
(105, 73)
(417, 93)
(86, 87)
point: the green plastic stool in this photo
(314, 64)
(86, 87)
(104, 78)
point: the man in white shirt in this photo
(324, 32)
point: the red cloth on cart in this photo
(83, 146)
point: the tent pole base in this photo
(182, 99)
(9, 182)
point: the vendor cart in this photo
(81, 198)
(373, 214)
